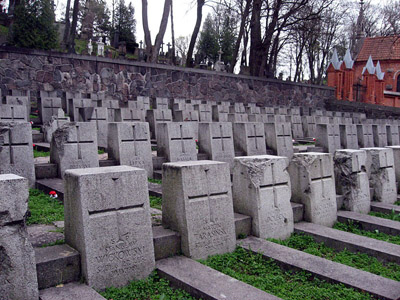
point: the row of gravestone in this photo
(107, 214)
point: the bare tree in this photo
(173, 33)
(391, 18)
(71, 43)
(189, 61)
(67, 24)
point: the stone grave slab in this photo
(77, 107)
(205, 112)
(309, 126)
(249, 138)
(99, 116)
(129, 115)
(155, 116)
(379, 134)
(261, 189)
(107, 219)
(279, 138)
(54, 123)
(348, 136)
(236, 118)
(396, 161)
(313, 185)
(13, 113)
(202, 212)
(328, 137)
(392, 133)
(48, 107)
(365, 136)
(20, 100)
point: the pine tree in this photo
(34, 26)
(208, 46)
(125, 25)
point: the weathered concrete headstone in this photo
(392, 133)
(365, 136)
(54, 123)
(396, 160)
(13, 113)
(74, 146)
(279, 138)
(297, 126)
(382, 178)
(145, 100)
(107, 219)
(216, 140)
(129, 144)
(352, 180)
(99, 116)
(237, 108)
(129, 115)
(20, 100)
(328, 137)
(155, 116)
(249, 138)
(197, 202)
(220, 113)
(18, 279)
(236, 118)
(77, 107)
(160, 103)
(348, 136)
(205, 112)
(48, 107)
(379, 134)
(261, 189)
(313, 185)
(309, 126)
(176, 142)
(16, 150)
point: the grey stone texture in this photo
(348, 136)
(99, 117)
(352, 179)
(17, 259)
(382, 178)
(13, 113)
(155, 116)
(127, 114)
(129, 144)
(216, 140)
(279, 138)
(176, 142)
(55, 122)
(16, 151)
(74, 146)
(237, 117)
(365, 135)
(328, 137)
(309, 126)
(261, 189)
(20, 100)
(48, 107)
(379, 134)
(197, 202)
(396, 160)
(107, 219)
(392, 133)
(249, 138)
(313, 185)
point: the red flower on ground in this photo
(52, 193)
(33, 145)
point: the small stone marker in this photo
(107, 219)
(313, 185)
(249, 138)
(348, 136)
(216, 140)
(235, 118)
(328, 137)
(175, 141)
(309, 126)
(129, 115)
(392, 132)
(99, 116)
(379, 134)
(396, 160)
(74, 146)
(352, 180)
(48, 108)
(279, 138)
(16, 150)
(365, 136)
(18, 279)
(155, 116)
(54, 123)
(13, 113)
(197, 202)
(382, 178)
(261, 189)
(129, 144)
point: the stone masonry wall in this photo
(41, 70)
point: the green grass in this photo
(33, 116)
(266, 275)
(360, 261)
(81, 45)
(101, 151)
(397, 202)
(353, 228)
(155, 202)
(159, 181)
(391, 216)
(43, 209)
(37, 153)
(3, 30)
(59, 242)
(152, 288)
(36, 128)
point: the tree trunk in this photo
(189, 58)
(161, 31)
(173, 34)
(147, 35)
(71, 44)
(255, 59)
(67, 24)
(240, 36)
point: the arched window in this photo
(398, 83)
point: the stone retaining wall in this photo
(42, 70)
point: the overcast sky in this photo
(184, 16)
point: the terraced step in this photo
(71, 291)
(379, 287)
(385, 208)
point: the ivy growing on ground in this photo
(44, 209)
(391, 216)
(357, 260)
(266, 275)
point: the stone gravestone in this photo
(20, 100)
(175, 141)
(313, 185)
(249, 138)
(327, 137)
(129, 115)
(155, 116)
(189, 116)
(48, 107)
(74, 146)
(220, 113)
(197, 202)
(261, 189)
(205, 112)
(13, 113)
(396, 160)
(160, 103)
(129, 144)
(348, 136)
(236, 117)
(365, 136)
(309, 126)
(18, 279)
(352, 180)
(279, 138)
(379, 134)
(382, 178)
(99, 116)
(77, 108)
(107, 219)
(54, 123)
(392, 132)
(16, 150)
(297, 126)
(216, 140)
